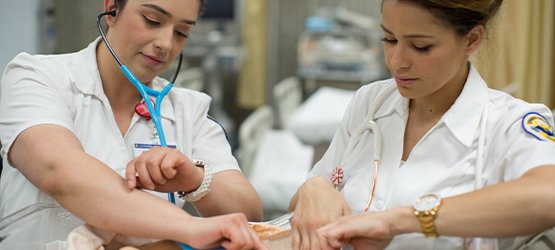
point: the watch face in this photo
(426, 202)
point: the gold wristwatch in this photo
(425, 209)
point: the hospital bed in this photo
(274, 161)
(288, 95)
(317, 119)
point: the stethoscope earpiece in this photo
(113, 13)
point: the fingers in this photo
(231, 231)
(250, 237)
(296, 234)
(148, 168)
(329, 240)
(339, 232)
(304, 234)
(331, 243)
(240, 236)
(145, 167)
(367, 231)
(313, 243)
(241, 240)
(130, 175)
(169, 163)
(260, 246)
(305, 240)
(295, 240)
(163, 170)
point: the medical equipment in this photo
(144, 90)
(348, 55)
(371, 125)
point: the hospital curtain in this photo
(252, 78)
(519, 53)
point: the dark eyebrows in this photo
(163, 11)
(406, 36)
(157, 8)
(386, 30)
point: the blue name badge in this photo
(141, 147)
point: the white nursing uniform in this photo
(443, 161)
(66, 90)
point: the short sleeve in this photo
(32, 94)
(210, 142)
(519, 151)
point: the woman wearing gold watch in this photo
(457, 159)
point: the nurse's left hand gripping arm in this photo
(519, 207)
(168, 170)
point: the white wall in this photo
(18, 29)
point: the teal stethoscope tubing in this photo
(144, 90)
(145, 93)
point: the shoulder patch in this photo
(535, 124)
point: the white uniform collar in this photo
(462, 118)
(395, 103)
(90, 83)
(85, 61)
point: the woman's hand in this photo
(230, 231)
(164, 170)
(370, 231)
(317, 204)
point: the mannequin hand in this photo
(164, 170)
(365, 231)
(318, 204)
(230, 231)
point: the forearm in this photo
(230, 197)
(52, 158)
(110, 205)
(519, 207)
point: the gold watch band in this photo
(427, 221)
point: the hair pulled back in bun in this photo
(460, 15)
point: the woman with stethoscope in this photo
(73, 125)
(412, 151)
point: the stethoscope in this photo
(144, 90)
(370, 125)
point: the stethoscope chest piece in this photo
(142, 110)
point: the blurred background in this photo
(281, 72)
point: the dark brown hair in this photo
(460, 15)
(120, 4)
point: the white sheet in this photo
(280, 166)
(318, 118)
